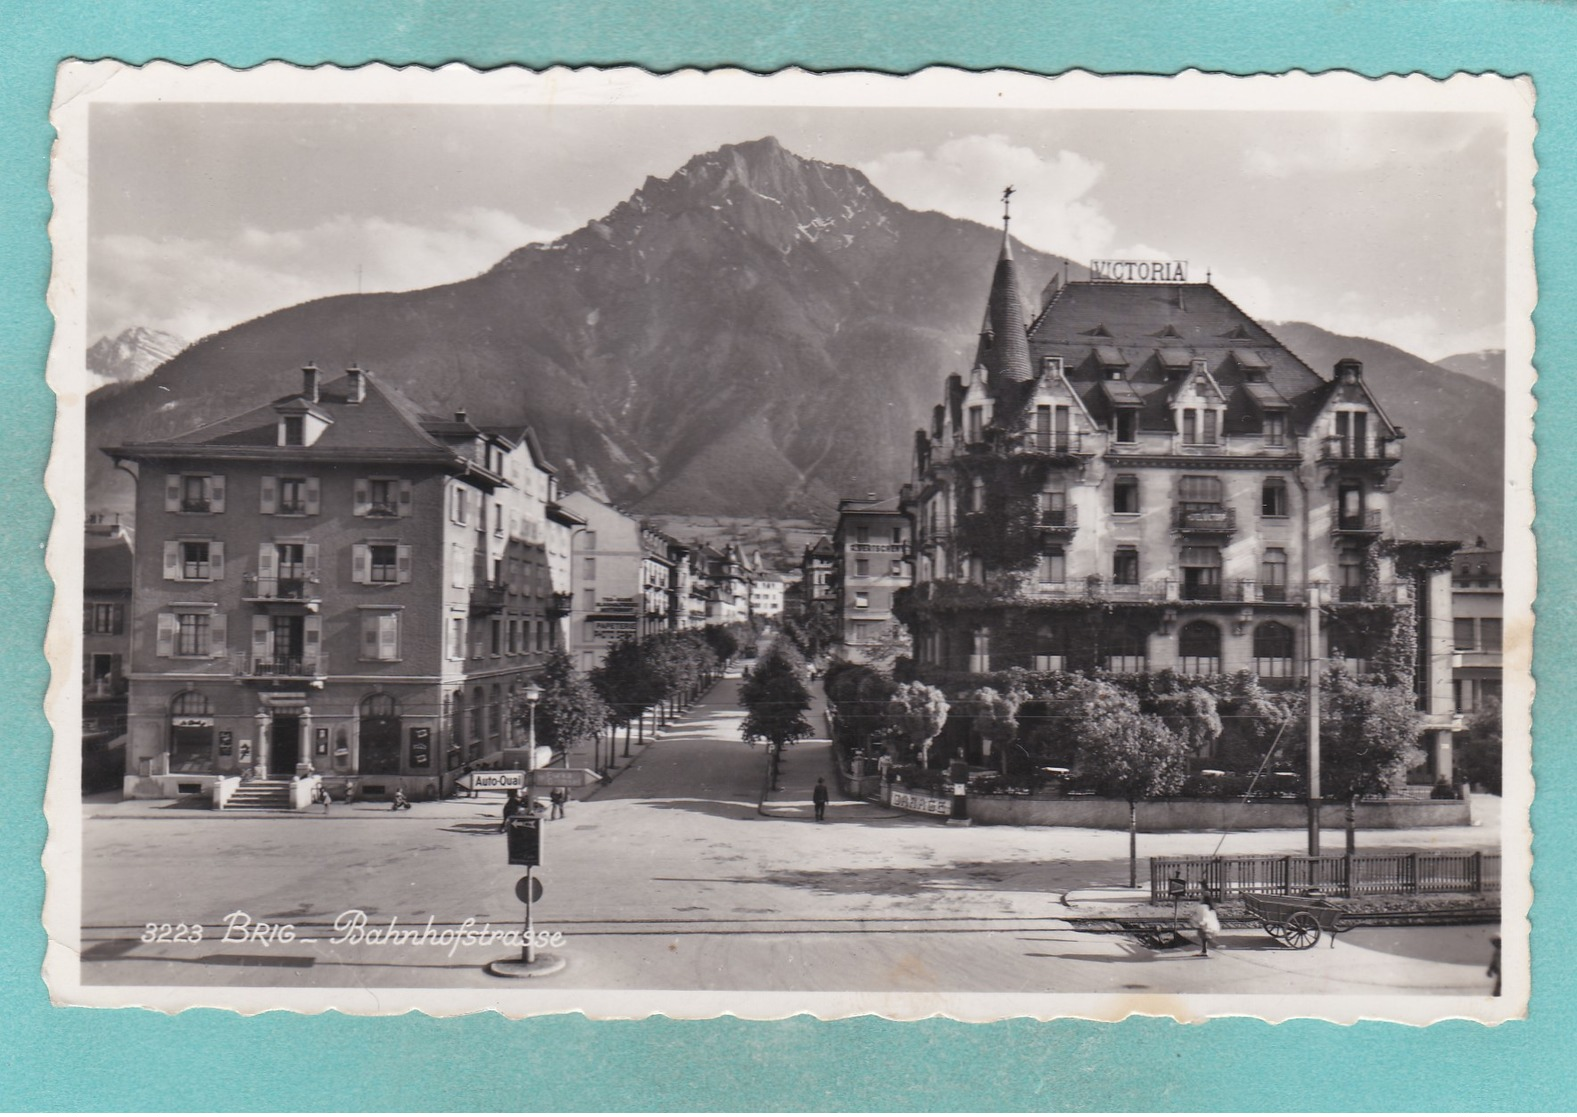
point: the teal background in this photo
(53, 1058)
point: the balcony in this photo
(1339, 450)
(1364, 523)
(561, 604)
(381, 509)
(1205, 519)
(196, 504)
(267, 667)
(1057, 522)
(1049, 443)
(266, 590)
(488, 597)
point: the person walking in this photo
(559, 797)
(401, 803)
(818, 798)
(511, 808)
(1207, 923)
(325, 798)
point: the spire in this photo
(1004, 347)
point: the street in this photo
(674, 876)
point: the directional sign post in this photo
(524, 833)
(492, 781)
(563, 777)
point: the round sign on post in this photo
(528, 890)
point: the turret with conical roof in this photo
(1004, 345)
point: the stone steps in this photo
(261, 795)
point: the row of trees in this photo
(653, 676)
(776, 696)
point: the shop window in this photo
(1274, 645)
(1199, 649)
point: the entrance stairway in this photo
(261, 795)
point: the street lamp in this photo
(533, 695)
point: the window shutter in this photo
(405, 498)
(262, 637)
(312, 638)
(403, 562)
(268, 498)
(369, 635)
(218, 627)
(362, 500)
(266, 556)
(172, 492)
(172, 560)
(313, 499)
(359, 562)
(216, 561)
(166, 635)
(216, 493)
(309, 560)
(389, 636)
(457, 562)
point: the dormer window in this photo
(1127, 424)
(1051, 366)
(977, 419)
(292, 430)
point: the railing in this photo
(291, 507)
(196, 504)
(488, 596)
(1050, 442)
(281, 666)
(1057, 519)
(1361, 875)
(379, 508)
(277, 588)
(561, 603)
(1206, 520)
(1202, 591)
(1366, 522)
(1337, 448)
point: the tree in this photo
(775, 695)
(890, 642)
(570, 709)
(1125, 754)
(625, 682)
(916, 713)
(996, 719)
(1368, 737)
(1478, 748)
(1191, 714)
(811, 629)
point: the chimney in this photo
(1349, 370)
(310, 378)
(358, 384)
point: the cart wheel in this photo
(1301, 931)
(1276, 931)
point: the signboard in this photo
(524, 835)
(421, 746)
(1139, 271)
(226, 738)
(192, 722)
(612, 630)
(924, 804)
(528, 890)
(618, 605)
(564, 777)
(321, 743)
(492, 781)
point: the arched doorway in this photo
(1199, 649)
(191, 733)
(378, 730)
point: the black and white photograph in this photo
(969, 543)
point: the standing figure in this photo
(559, 797)
(325, 798)
(511, 808)
(819, 798)
(1494, 965)
(1206, 922)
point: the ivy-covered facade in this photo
(1140, 478)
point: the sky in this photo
(1384, 225)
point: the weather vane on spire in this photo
(1007, 200)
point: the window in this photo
(589, 539)
(862, 534)
(200, 493)
(1201, 573)
(862, 567)
(1350, 506)
(1125, 495)
(588, 568)
(191, 733)
(457, 513)
(292, 496)
(1126, 650)
(1273, 497)
(382, 563)
(105, 619)
(496, 637)
(498, 519)
(977, 495)
(1053, 567)
(1351, 567)
(194, 494)
(977, 417)
(1051, 648)
(456, 638)
(1125, 566)
(1275, 429)
(897, 536)
(1273, 575)
(1200, 494)
(1464, 634)
(862, 600)
(1349, 648)
(1052, 507)
(896, 568)
(191, 634)
(1199, 649)
(1489, 634)
(382, 497)
(588, 599)
(1209, 438)
(194, 562)
(377, 564)
(1273, 650)
(1127, 424)
(293, 431)
(380, 635)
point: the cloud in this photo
(192, 287)
(964, 177)
(1347, 143)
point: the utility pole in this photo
(1315, 662)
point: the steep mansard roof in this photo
(1149, 331)
(1002, 348)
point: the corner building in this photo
(337, 585)
(1143, 478)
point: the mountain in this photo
(751, 337)
(131, 354)
(1453, 459)
(1488, 365)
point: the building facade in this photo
(870, 546)
(335, 584)
(106, 628)
(1477, 610)
(1143, 478)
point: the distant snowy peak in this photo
(131, 355)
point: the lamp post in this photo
(533, 695)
